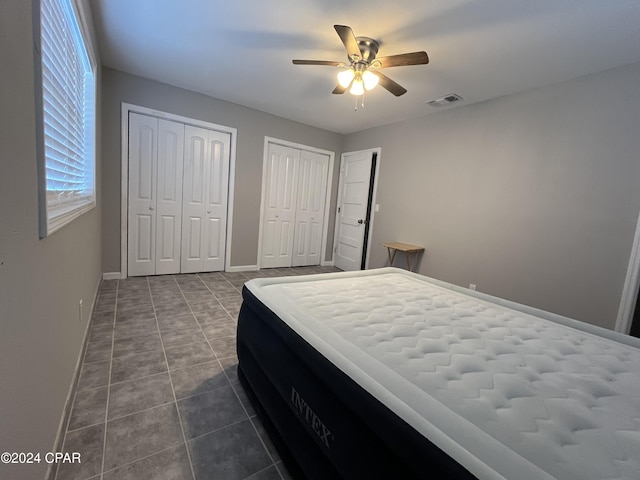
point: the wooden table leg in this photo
(391, 255)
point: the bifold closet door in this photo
(155, 195)
(279, 209)
(312, 193)
(204, 205)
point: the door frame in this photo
(327, 202)
(124, 183)
(629, 294)
(376, 173)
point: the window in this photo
(67, 136)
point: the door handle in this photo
(361, 221)
(151, 207)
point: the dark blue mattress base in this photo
(322, 423)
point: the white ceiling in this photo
(241, 50)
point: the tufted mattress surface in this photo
(506, 390)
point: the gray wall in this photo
(533, 197)
(252, 127)
(41, 281)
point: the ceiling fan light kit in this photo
(362, 73)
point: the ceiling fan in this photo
(363, 67)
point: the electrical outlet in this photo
(472, 286)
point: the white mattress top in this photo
(506, 390)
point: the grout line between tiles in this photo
(173, 391)
(142, 458)
(106, 411)
(234, 390)
(139, 411)
(225, 374)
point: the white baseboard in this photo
(111, 276)
(52, 469)
(327, 263)
(243, 268)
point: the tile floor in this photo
(158, 396)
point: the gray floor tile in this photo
(140, 394)
(167, 297)
(148, 318)
(103, 317)
(203, 296)
(137, 366)
(108, 285)
(213, 316)
(222, 329)
(197, 379)
(204, 305)
(244, 399)
(179, 321)
(186, 355)
(224, 347)
(101, 333)
(230, 292)
(171, 464)
(98, 351)
(141, 434)
(134, 328)
(89, 408)
(209, 411)
(262, 433)
(93, 375)
(182, 336)
(106, 303)
(135, 303)
(140, 344)
(270, 473)
(171, 310)
(134, 315)
(230, 366)
(89, 443)
(232, 453)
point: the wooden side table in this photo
(393, 247)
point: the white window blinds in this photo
(68, 103)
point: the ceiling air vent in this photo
(446, 100)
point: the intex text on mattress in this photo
(505, 390)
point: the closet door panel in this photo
(169, 197)
(216, 194)
(193, 204)
(280, 206)
(312, 191)
(141, 228)
(205, 199)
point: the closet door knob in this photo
(151, 207)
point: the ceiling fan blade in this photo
(339, 90)
(390, 85)
(318, 62)
(403, 60)
(349, 40)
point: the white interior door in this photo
(141, 229)
(279, 207)
(310, 205)
(169, 197)
(204, 205)
(355, 178)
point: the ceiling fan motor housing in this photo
(369, 49)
